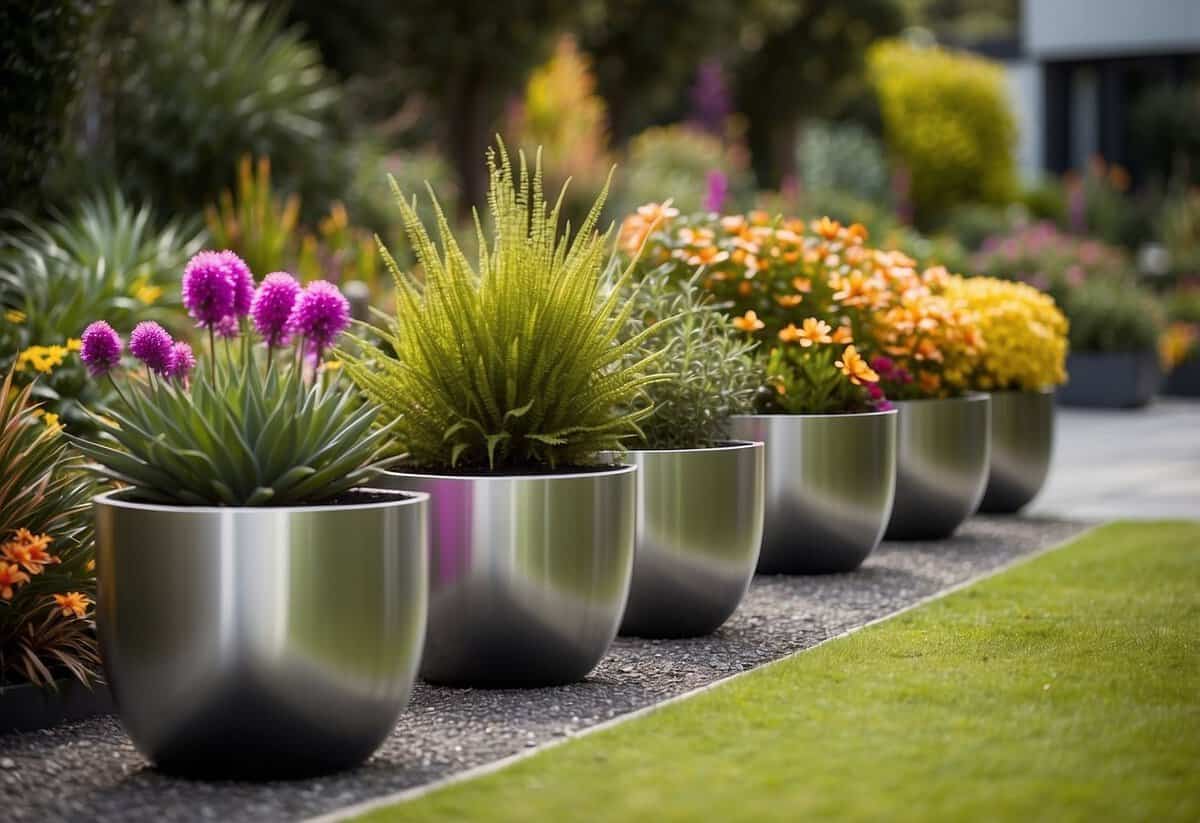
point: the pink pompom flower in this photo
(151, 344)
(272, 308)
(100, 348)
(182, 361)
(209, 288)
(321, 313)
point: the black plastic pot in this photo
(1111, 380)
(1184, 379)
(25, 707)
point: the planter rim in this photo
(402, 498)
(1042, 390)
(722, 446)
(837, 415)
(969, 397)
(584, 473)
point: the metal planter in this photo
(1022, 445)
(528, 574)
(830, 482)
(699, 529)
(261, 642)
(941, 466)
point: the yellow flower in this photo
(74, 344)
(148, 294)
(73, 603)
(29, 551)
(842, 334)
(52, 421)
(15, 316)
(42, 358)
(748, 322)
(854, 367)
(789, 333)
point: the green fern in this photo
(517, 361)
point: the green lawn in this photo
(1065, 689)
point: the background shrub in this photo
(946, 119)
(1110, 316)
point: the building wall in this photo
(1071, 29)
(1025, 94)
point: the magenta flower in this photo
(100, 348)
(243, 282)
(209, 288)
(182, 361)
(151, 344)
(226, 327)
(271, 310)
(718, 191)
(320, 314)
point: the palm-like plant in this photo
(43, 492)
(516, 361)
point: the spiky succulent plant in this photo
(711, 372)
(245, 425)
(514, 362)
(46, 575)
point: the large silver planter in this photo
(941, 465)
(1022, 444)
(528, 573)
(699, 528)
(830, 481)
(261, 642)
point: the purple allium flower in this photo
(100, 348)
(243, 282)
(227, 327)
(321, 314)
(272, 307)
(151, 344)
(209, 288)
(718, 190)
(182, 361)
(712, 102)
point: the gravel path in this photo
(90, 771)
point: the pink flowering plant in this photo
(259, 420)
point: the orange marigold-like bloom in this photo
(929, 382)
(826, 228)
(73, 603)
(748, 322)
(814, 331)
(842, 334)
(11, 576)
(29, 551)
(789, 333)
(637, 227)
(707, 256)
(789, 301)
(854, 367)
(853, 289)
(802, 284)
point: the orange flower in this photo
(637, 227)
(853, 289)
(814, 331)
(73, 603)
(829, 229)
(842, 334)
(802, 284)
(707, 256)
(748, 322)
(929, 382)
(29, 551)
(857, 231)
(789, 301)
(11, 576)
(854, 367)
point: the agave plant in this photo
(710, 367)
(515, 361)
(247, 425)
(46, 572)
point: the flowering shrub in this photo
(47, 573)
(800, 288)
(1026, 334)
(709, 369)
(1048, 259)
(1178, 344)
(513, 362)
(240, 427)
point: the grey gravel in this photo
(90, 771)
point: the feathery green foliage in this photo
(250, 433)
(43, 490)
(712, 371)
(516, 362)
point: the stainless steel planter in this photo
(941, 465)
(699, 528)
(1022, 444)
(830, 481)
(261, 642)
(528, 573)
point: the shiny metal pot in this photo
(261, 642)
(941, 465)
(528, 574)
(1022, 445)
(830, 481)
(699, 529)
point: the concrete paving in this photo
(1109, 464)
